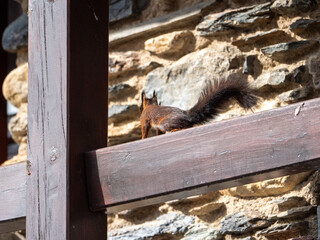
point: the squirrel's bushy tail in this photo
(216, 94)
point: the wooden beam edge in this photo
(95, 157)
(12, 197)
(210, 187)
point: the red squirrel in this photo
(213, 97)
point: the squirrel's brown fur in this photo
(168, 119)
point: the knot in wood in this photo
(53, 154)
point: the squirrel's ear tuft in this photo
(143, 101)
(154, 98)
(143, 95)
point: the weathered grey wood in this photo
(12, 197)
(170, 21)
(225, 154)
(66, 115)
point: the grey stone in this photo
(286, 203)
(293, 7)
(120, 91)
(314, 68)
(290, 51)
(302, 25)
(285, 231)
(12, 150)
(142, 4)
(295, 95)
(252, 66)
(15, 35)
(170, 224)
(117, 88)
(120, 9)
(302, 76)
(202, 232)
(243, 222)
(146, 68)
(180, 84)
(228, 21)
(248, 65)
(119, 113)
(264, 38)
(272, 80)
(298, 212)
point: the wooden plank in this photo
(68, 53)
(207, 158)
(3, 74)
(175, 20)
(12, 197)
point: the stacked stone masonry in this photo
(275, 44)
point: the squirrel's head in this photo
(148, 101)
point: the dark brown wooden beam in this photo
(12, 197)
(3, 74)
(68, 56)
(207, 158)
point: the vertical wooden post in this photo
(68, 47)
(3, 73)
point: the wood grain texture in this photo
(66, 116)
(12, 197)
(207, 158)
(3, 74)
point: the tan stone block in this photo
(15, 86)
(16, 159)
(206, 208)
(18, 125)
(123, 133)
(172, 43)
(23, 147)
(271, 187)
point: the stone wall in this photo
(15, 86)
(275, 45)
(176, 51)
